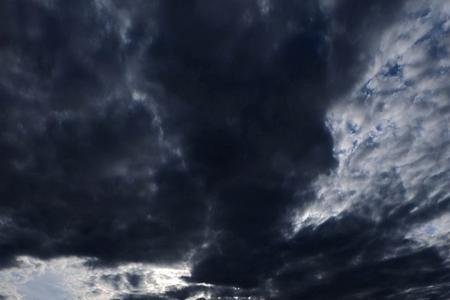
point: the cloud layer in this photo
(276, 150)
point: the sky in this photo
(224, 149)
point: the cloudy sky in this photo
(224, 149)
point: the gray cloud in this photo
(277, 150)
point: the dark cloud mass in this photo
(192, 130)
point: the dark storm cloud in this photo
(83, 162)
(154, 131)
(255, 87)
(350, 259)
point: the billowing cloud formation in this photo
(278, 149)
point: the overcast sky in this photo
(224, 149)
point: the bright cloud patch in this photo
(391, 135)
(70, 278)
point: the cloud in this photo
(69, 277)
(391, 141)
(390, 135)
(275, 150)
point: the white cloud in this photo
(391, 134)
(69, 278)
